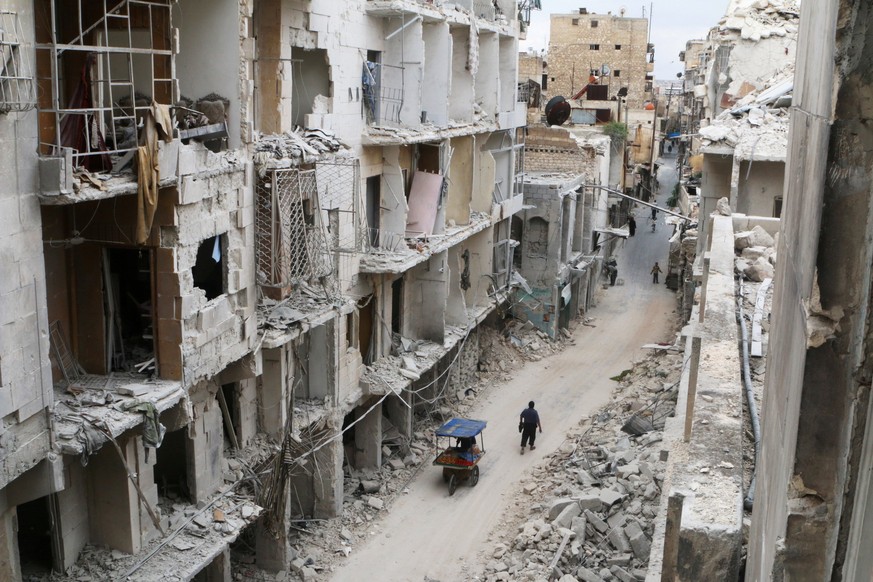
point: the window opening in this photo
(366, 329)
(594, 47)
(17, 91)
(595, 24)
(575, 22)
(374, 198)
(616, 73)
(231, 399)
(397, 306)
(310, 83)
(103, 68)
(208, 271)
(777, 207)
(618, 47)
(171, 468)
(349, 448)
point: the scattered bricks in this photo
(622, 574)
(616, 520)
(565, 519)
(558, 506)
(625, 471)
(610, 497)
(396, 464)
(619, 560)
(587, 575)
(370, 486)
(591, 502)
(544, 533)
(375, 503)
(618, 540)
(346, 534)
(386, 451)
(297, 565)
(578, 526)
(596, 522)
(651, 491)
(640, 544)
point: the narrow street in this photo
(429, 534)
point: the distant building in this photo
(614, 49)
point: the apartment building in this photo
(198, 297)
(611, 50)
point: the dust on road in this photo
(429, 534)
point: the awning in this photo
(461, 427)
(622, 232)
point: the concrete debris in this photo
(605, 490)
(757, 237)
(281, 150)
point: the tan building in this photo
(615, 48)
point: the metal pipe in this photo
(749, 500)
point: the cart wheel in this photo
(453, 484)
(474, 476)
(446, 473)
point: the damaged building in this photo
(212, 318)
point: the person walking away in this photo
(655, 270)
(530, 421)
(632, 225)
(654, 213)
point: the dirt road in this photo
(429, 534)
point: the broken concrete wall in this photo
(437, 72)
(118, 519)
(487, 77)
(206, 47)
(759, 187)
(485, 176)
(461, 171)
(316, 489)
(812, 507)
(462, 95)
(73, 519)
(212, 332)
(205, 445)
(25, 373)
(714, 186)
(553, 149)
(424, 300)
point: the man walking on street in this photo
(655, 270)
(632, 225)
(529, 421)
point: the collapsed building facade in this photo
(193, 290)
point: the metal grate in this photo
(17, 91)
(109, 59)
(304, 218)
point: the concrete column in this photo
(205, 445)
(274, 412)
(73, 514)
(319, 493)
(368, 438)
(219, 570)
(273, 553)
(10, 567)
(248, 411)
(399, 413)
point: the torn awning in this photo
(622, 232)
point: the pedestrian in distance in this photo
(632, 225)
(529, 421)
(655, 270)
(654, 213)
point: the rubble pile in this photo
(593, 503)
(305, 301)
(756, 19)
(302, 145)
(757, 251)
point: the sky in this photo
(675, 22)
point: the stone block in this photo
(591, 502)
(596, 522)
(587, 575)
(618, 540)
(558, 506)
(641, 546)
(610, 497)
(192, 190)
(565, 518)
(621, 574)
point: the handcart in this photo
(460, 461)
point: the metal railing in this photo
(382, 102)
(17, 92)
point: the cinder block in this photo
(192, 190)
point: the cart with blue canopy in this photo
(460, 460)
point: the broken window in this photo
(208, 271)
(128, 308)
(99, 68)
(382, 87)
(310, 78)
(16, 74)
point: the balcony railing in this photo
(382, 102)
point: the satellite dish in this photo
(605, 70)
(622, 10)
(557, 110)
